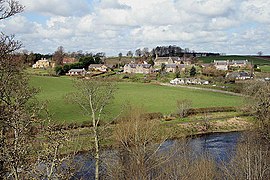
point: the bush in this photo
(150, 116)
(59, 70)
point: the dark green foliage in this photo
(192, 71)
(163, 66)
(177, 72)
(59, 70)
(151, 62)
(86, 61)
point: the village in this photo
(185, 70)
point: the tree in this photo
(260, 53)
(138, 52)
(9, 8)
(183, 107)
(145, 52)
(87, 60)
(192, 71)
(177, 72)
(137, 156)
(8, 74)
(58, 55)
(163, 67)
(120, 55)
(93, 96)
(129, 54)
(151, 62)
(259, 102)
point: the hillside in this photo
(154, 98)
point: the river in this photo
(219, 145)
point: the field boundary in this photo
(204, 89)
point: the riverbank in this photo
(173, 129)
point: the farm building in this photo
(76, 72)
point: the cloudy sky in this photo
(113, 26)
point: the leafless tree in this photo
(93, 96)
(258, 103)
(251, 160)
(183, 107)
(58, 55)
(138, 145)
(260, 53)
(9, 8)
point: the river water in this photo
(220, 146)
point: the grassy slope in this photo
(255, 60)
(153, 97)
(265, 68)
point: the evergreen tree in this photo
(192, 71)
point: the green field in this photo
(154, 98)
(254, 60)
(265, 69)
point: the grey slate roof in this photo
(76, 70)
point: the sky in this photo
(113, 26)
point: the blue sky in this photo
(113, 26)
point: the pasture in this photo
(154, 98)
(265, 69)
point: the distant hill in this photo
(259, 60)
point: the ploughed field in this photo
(153, 98)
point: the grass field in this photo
(154, 98)
(265, 69)
(254, 60)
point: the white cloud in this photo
(120, 25)
(56, 7)
(256, 10)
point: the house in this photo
(98, 67)
(172, 60)
(238, 75)
(182, 81)
(138, 68)
(239, 63)
(43, 64)
(69, 60)
(163, 60)
(76, 72)
(221, 64)
(177, 81)
(174, 67)
(226, 64)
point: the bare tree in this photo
(183, 107)
(259, 104)
(129, 53)
(260, 53)
(138, 52)
(138, 147)
(9, 8)
(93, 96)
(59, 55)
(251, 160)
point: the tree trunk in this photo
(96, 153)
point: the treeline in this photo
(84, 62)
(166, 51)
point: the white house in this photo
(76, 72)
